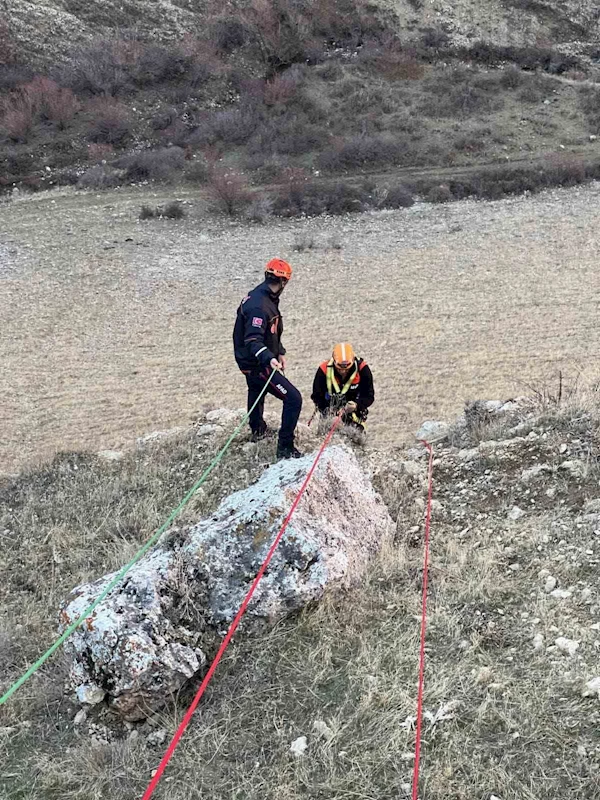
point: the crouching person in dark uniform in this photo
(259, 352)
(344, 382)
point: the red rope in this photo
(415, 781)
(232, 628)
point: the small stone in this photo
(323, 729)
(575, 468)
(563, 448)
(249, 449)
(586, 594)
(514, 567)
(484, 676)
(433, 431)
(550, 584)
(298, 746)
(592, 688)
(90, 694)
(561, 594)
(538, 641)
(208, 430)
(592, 506)
(551, 492)
(529, 475)
(516, 513)
(157, 737)
(568, 646)
(80, 717)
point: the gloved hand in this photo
(350, 407)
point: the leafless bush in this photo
(197, 171)
(228, 33)
(101, 68)
(439, 194)
(280, 89)
(361, 151)
(99, 177)
(304, 242)
(40, 100)
(18, 117)
(164, 164)
(313, 199)
(396, 197)
(172, 210)
(229, 191)
(461, 93)
(110, 122)
(99, 152)
(260, 209)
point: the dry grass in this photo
(517, 724)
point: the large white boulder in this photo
(150, 635)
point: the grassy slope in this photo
(518, 726)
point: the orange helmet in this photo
(279, 268)
(343, 355)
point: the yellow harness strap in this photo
(333, 386)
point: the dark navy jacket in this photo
(258, 329)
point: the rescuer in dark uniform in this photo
(258, 352)
(344, 382)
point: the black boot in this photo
(261, 433)
(287, 451)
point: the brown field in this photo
(112, 328)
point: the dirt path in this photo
(112, 328)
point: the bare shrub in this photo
(13, 76)
(304, 242)
(459, 94)
(99, 177)
(51, 102)
(280, 89)
(99, 152)
(589, 101)
(197, 171)
(100, 68)
(260, 209)
(233, 126)
(18, 117)
(396, 197)
(158, 64)
(361, 151)
(229, 191)
(228, 33)
(313, 199)
(439, 194)
(173, 210)
(110, 122)
(511, 77)
(146, 212)
(164, 164)
(164, 118)
(40, 100)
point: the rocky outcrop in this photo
(152, 633)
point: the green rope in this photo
(74, 625)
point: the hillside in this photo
(49, 28)
(512, 644)
(282, 94)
